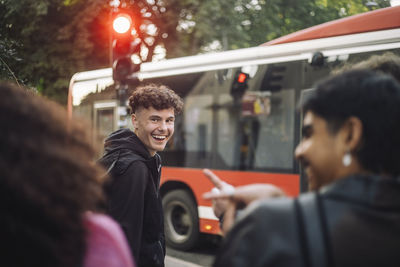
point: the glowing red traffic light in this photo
(124, 45)
(242, 78)
(122, 23)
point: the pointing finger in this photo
(218, 183)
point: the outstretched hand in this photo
(219, 205)
(228, 199)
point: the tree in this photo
(32, 30)
(246, 23)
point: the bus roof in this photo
(380, 19)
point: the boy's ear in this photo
(134, 121)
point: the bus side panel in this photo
(197, 182)
(200, 184)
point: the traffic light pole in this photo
(122, 108)
(110, 39)
(123, 44)
(120, 52)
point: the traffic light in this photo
(123, 46)
(239, 84)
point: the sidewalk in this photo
(175, 262)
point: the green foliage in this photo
(39, 50)
(43, 42)
(247, 23)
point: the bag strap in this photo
(313, 231)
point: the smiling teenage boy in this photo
(133, 197)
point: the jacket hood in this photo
(125, 139)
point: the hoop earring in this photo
(346, 160)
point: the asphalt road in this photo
(202, 255)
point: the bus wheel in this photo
(180, 219)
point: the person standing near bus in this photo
(135, 167)
(351, 216)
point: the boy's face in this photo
(154, 127)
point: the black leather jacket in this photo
(352, 222)
(133, 197)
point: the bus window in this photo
(191, 144)
(104, 122)
(258, 132)
(198, 127)
(358, 57)
(335, 63)
(84, 112)
(195, 142)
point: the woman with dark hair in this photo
(50, 189)
(351, 217)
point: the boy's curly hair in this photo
(156, 96)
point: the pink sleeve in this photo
(106, 243)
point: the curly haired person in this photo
(131, 157)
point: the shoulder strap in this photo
(313, 231)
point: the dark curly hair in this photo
(156, 96)
(388, 63)
(372, 97)
(47, 181)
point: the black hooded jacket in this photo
(133, 197)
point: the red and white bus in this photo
(239, 117)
